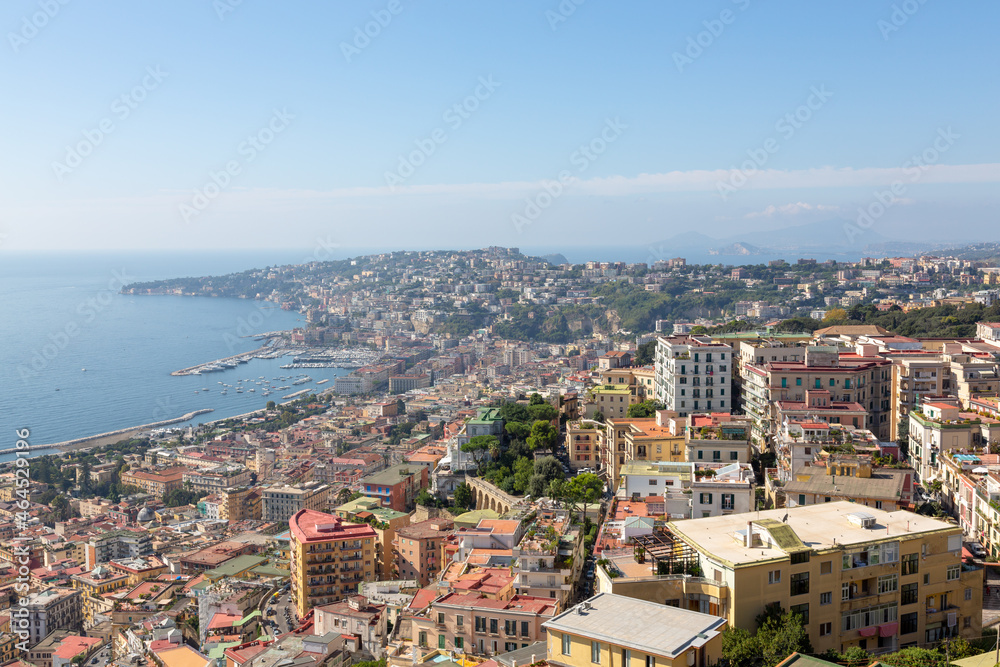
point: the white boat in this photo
(252, 389)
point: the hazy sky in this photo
(245, 123)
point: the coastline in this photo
(111, 437)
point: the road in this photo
(283, 619)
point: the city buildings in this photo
(329, 558)
(396, 487)
(279, 503)
(418, 549)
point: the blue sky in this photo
(312, 122)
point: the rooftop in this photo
(393, 475)
(666, 631)
(823, 526)
(313, 526)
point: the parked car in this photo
(977, 550)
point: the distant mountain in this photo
(555, 259)
(826, 236)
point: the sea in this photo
(79, 358)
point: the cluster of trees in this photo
(645, 409)
(780, 633)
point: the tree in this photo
(536, 399)
(543, 412)
(271, 405)
(577, 491)
(546, 469)
(400, 407)
(543, 435)
(645, 354)
(479, 447)
(835, 315)
(426, 498)
(599, 416)
(915, 657)
(463, 496)
(644, 410)
(779, 635)
(517, 430)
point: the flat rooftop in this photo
(823, 526)
(664, 630)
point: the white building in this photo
(693, 374)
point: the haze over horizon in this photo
(227, 125)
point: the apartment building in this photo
(473, 623)
(279, 503)
(396, 487)
(693, 374)
(93, 586)
(609, 400)
(240, 503)
(116, 545)
(718, 438)
(355, 616)
(583, 444)
(849, 377)
(688, 490)
(873, 579)
(605, 631)
(941, 427)
(417, 549)
(52, 609)
(217, 480)
(648, 439)
(851, 477)
(329, 558)
(640, 380)
(157, 483)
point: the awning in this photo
(888, 629)
(868, 632)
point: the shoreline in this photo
(111, 437)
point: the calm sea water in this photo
(62, 314)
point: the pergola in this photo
(664, 547)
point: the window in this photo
(800, 583)
(833, 383)
(888, 584)
(626, 657)
(825, 629)
(845, 591)
(440, 618)
(494, 626)
(480, 623)
(700, 454)
(968, 593)
(802, 610)
(908, 623)
(705, 498)
(826, 567)
(802, 499)
(910, 564)
(774, 577)
(784, 383)
(716, 455)
(423, 639)
(734, 456)
(460, 621)
(525, 628)
(595, 652)
(510, 646)
(460, 642)
(954, 572)
(826, 598)
(440, 641)
(565, 644)
(798, 382)
(728, 501)
(510, 628)
(800, 557)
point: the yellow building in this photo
(329, 558)
(659, 438)
(617, 631)
(93, 585)
(857, 576)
